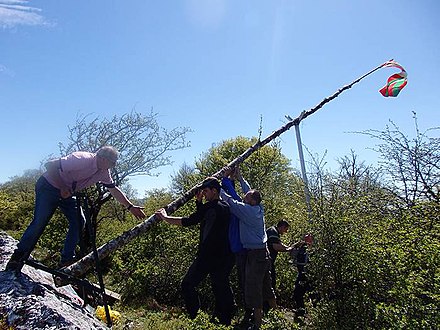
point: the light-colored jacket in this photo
(251, 219)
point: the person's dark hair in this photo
(283, 223)
(256, 196)
(211, 182)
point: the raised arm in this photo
(228, 186)
(245, 187)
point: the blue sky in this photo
(216, 66)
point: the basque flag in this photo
(396, 82)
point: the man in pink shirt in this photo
(56, 188)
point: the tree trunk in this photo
(83, 265)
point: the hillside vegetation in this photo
(375, 262)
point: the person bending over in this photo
(56, 188)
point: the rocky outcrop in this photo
(32, 301)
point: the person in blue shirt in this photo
(250, 214)
(228, 185)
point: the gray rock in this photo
(32, 301)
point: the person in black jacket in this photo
(302, 283)
(214, 256)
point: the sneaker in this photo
(15, 263)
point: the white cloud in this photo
(17, 12)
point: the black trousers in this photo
(273, 275)
(219, 270)
(302, 285)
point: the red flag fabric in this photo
(396, 82)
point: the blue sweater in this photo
(234, 229)
(251, 219)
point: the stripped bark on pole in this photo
(83, 265)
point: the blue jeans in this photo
(47, 199)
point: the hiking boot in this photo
(16, 262)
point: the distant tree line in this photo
(375, 261)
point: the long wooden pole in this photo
(83, 265)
